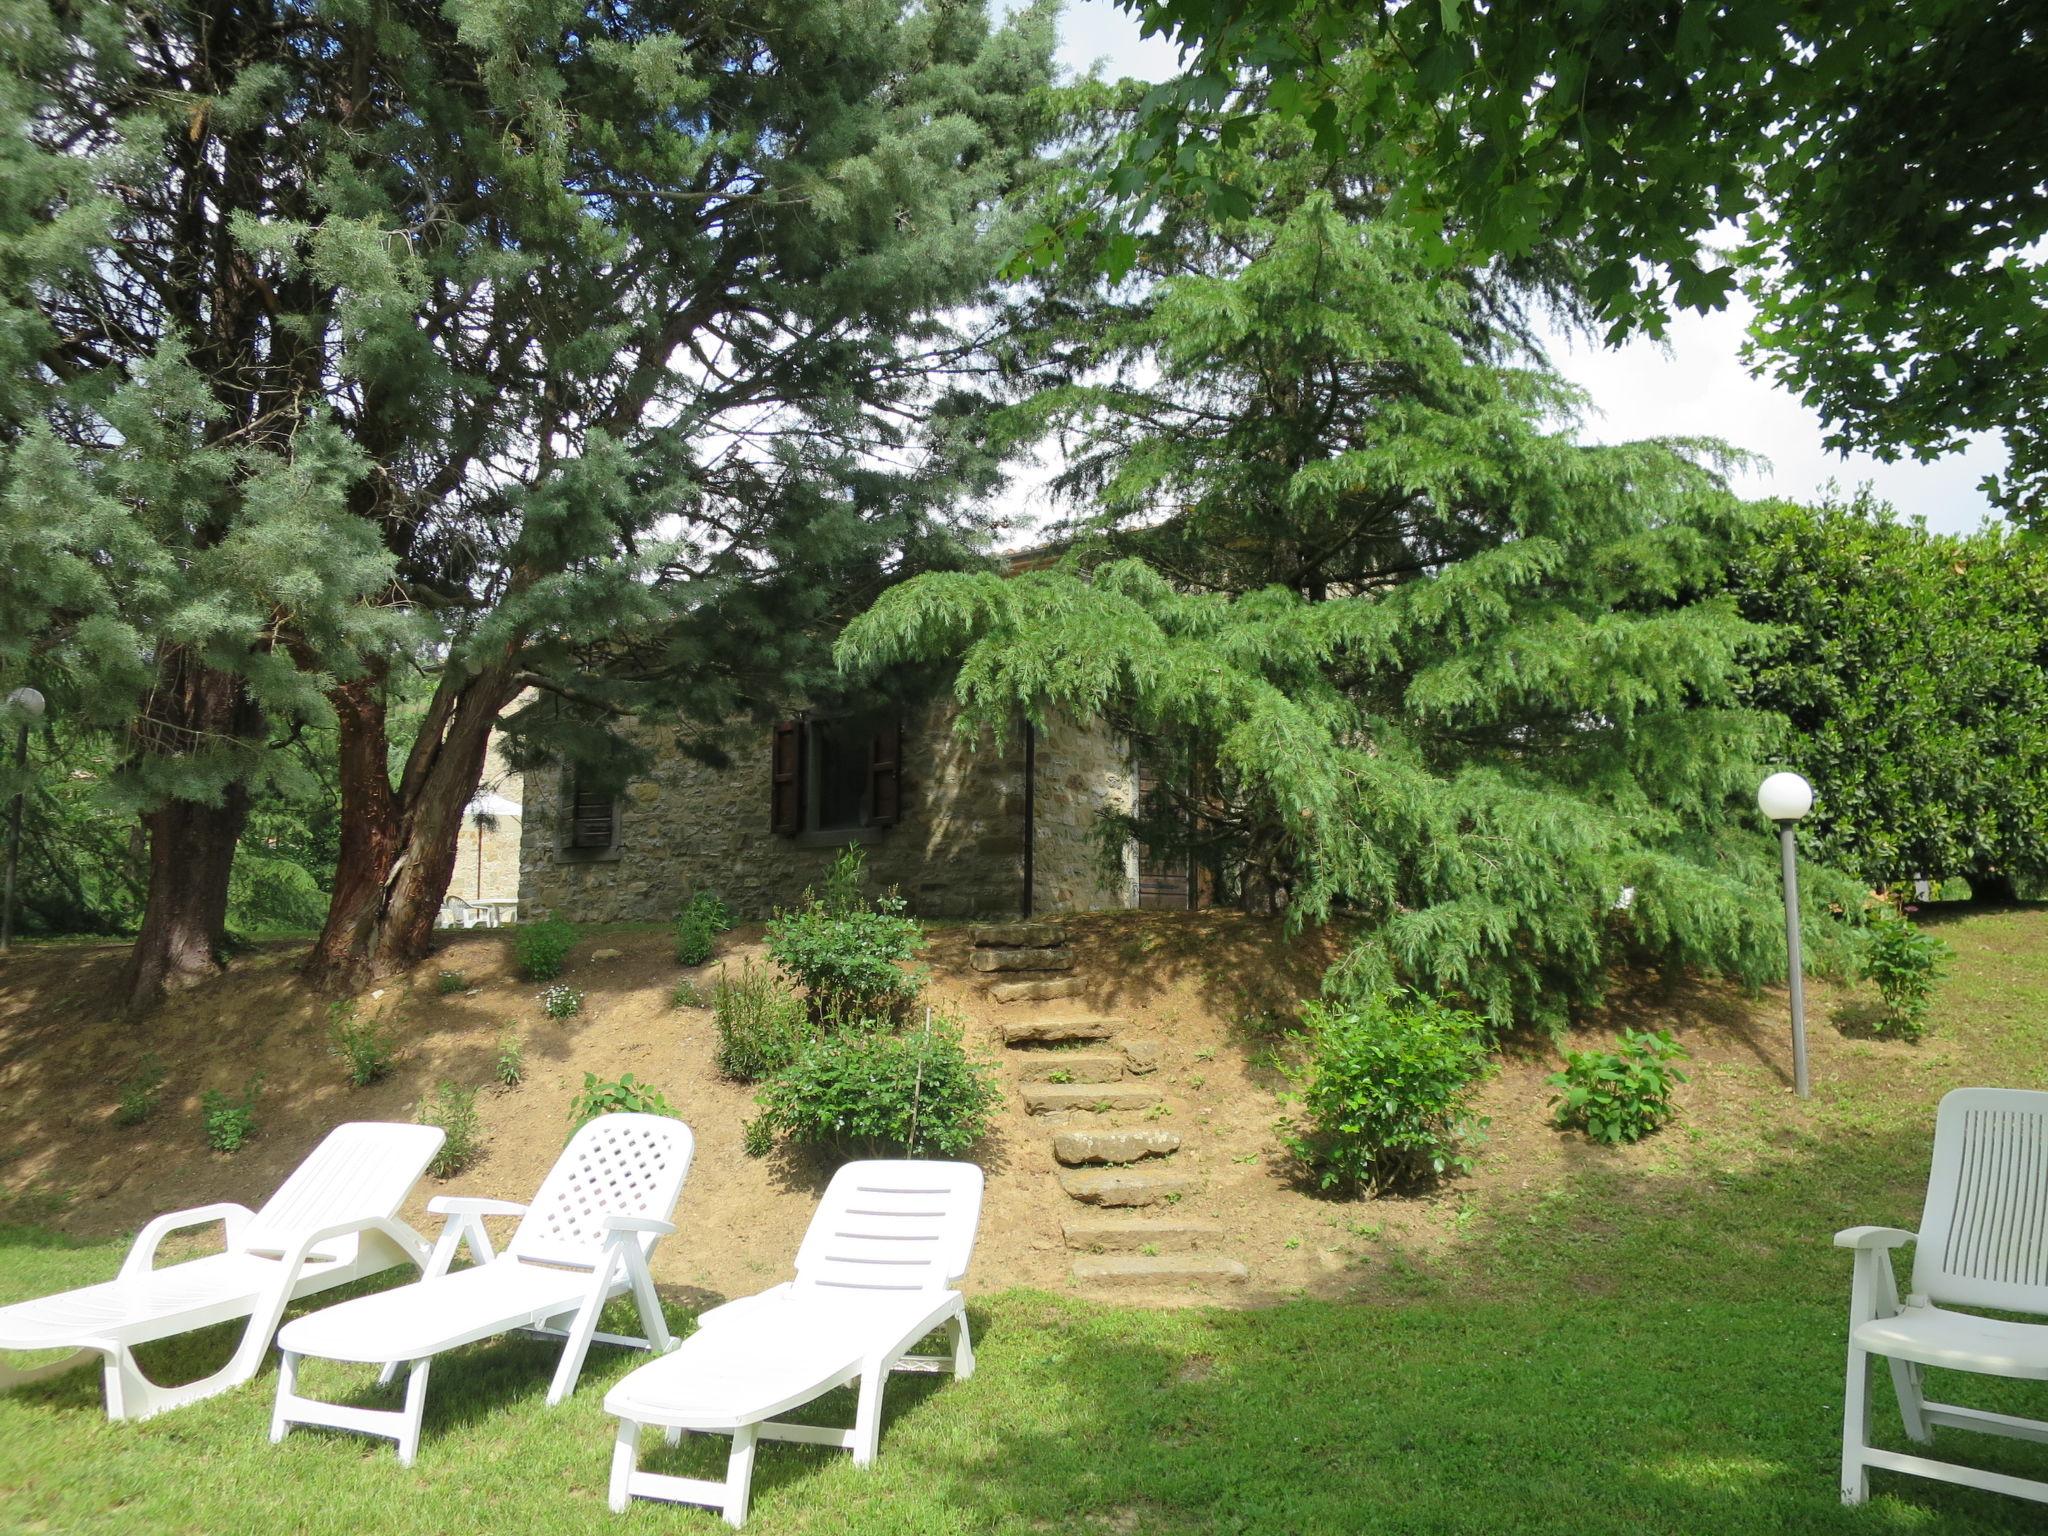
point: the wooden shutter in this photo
(885, 775)
(593, 818)
(786, 775)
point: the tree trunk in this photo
(398, 845)
(1988, 888)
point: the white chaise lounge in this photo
(334, 1220)
(1982, 1245)
(585, 1239)
(874, 1275)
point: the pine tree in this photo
(1403, 648)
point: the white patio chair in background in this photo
(874, 1275)
(1982, 1244)
(585, 1239)
(334, 1220)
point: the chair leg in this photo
(867, 1418)
(1856, 1427)
(576, 1347)
(963, 1346)
(739, 1475)
(287, 1388)
(1912, 1402)
(413, 1412)
(625, 1457)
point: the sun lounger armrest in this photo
(142, 1256)
(402, 1236)
(616, 1225)
(1873, 1237)
(469, 1205)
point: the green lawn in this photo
(1660, 1352)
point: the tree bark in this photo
(1991, 889)
(398, 844)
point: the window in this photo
(590, 821)
(835, 776)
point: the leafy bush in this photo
(844, 949)
(365, 1046)
(229, 1122)
(1388, 1098)
(453, 1109)
(139, 1094)
(1905, 961)
(510, 1063)
(449, 982)
(561, 1001)
(856, 1095)
(623, 1096)
(703, 918)
(761, 1024)
(1617, 1097)
(687, 994)
(542, 948)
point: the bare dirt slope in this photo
(1204, 992)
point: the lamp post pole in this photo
(1785, 797)
(27, 704)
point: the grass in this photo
(1654, 1353)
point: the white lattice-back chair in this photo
(1982, 1244)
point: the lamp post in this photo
(1785, 797)
(26, 705)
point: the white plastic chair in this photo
(334, 1220)
(585, 1239)
(1983, 1243)
(874, 1275)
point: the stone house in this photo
(962, 829)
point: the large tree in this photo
(1400, 645)
(1881, 163)
(633, 320)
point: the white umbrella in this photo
(488, 804)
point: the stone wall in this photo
(1082, 772)
(495, 876)
(956, 851)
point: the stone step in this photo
(1050, 1098)
(1167, 1271)
(1056, 1031)
(1019, 935)
(1124, 1187)
(1075, 1148)
(1021, 959)
(1070, 1067)
(1036, 991)
(1124, 1234)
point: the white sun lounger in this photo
(331, 1222)
(874, 1275)
(585, 1239)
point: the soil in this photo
(1214, 990)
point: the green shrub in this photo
(229, 1122)
(623, 1096)
(365, 1046)
(703, 918)
(138, 1096)
(1617, 1097)
(1387, 1101)
(844, 950)
(761, 1024)
(542, 948)
(688, 994)
(1905, 961)
(561, 1001)
(857, 1095)
(449, 982)
(453, 1109)
(510, 1063)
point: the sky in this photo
(1691, 385)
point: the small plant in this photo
(1388, 1097)
(510, 1063)
(688, 994)
(1617, 1097)
(449, 982)
(561, 1001)
(1905, 961)
(703, 918)
(761, 1024)
(453, 1109)
(229, 1122)
(845, 950)
(1059, 1075)
(858, 1094)
(138, 1097)
(625, 1095)
(365, 1046)
(542, 948)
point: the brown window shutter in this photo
(786, 787)
(885, 775)
(593, 819)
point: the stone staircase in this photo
(1132, 1183)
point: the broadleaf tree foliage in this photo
(611, 344)
(1396, 644)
